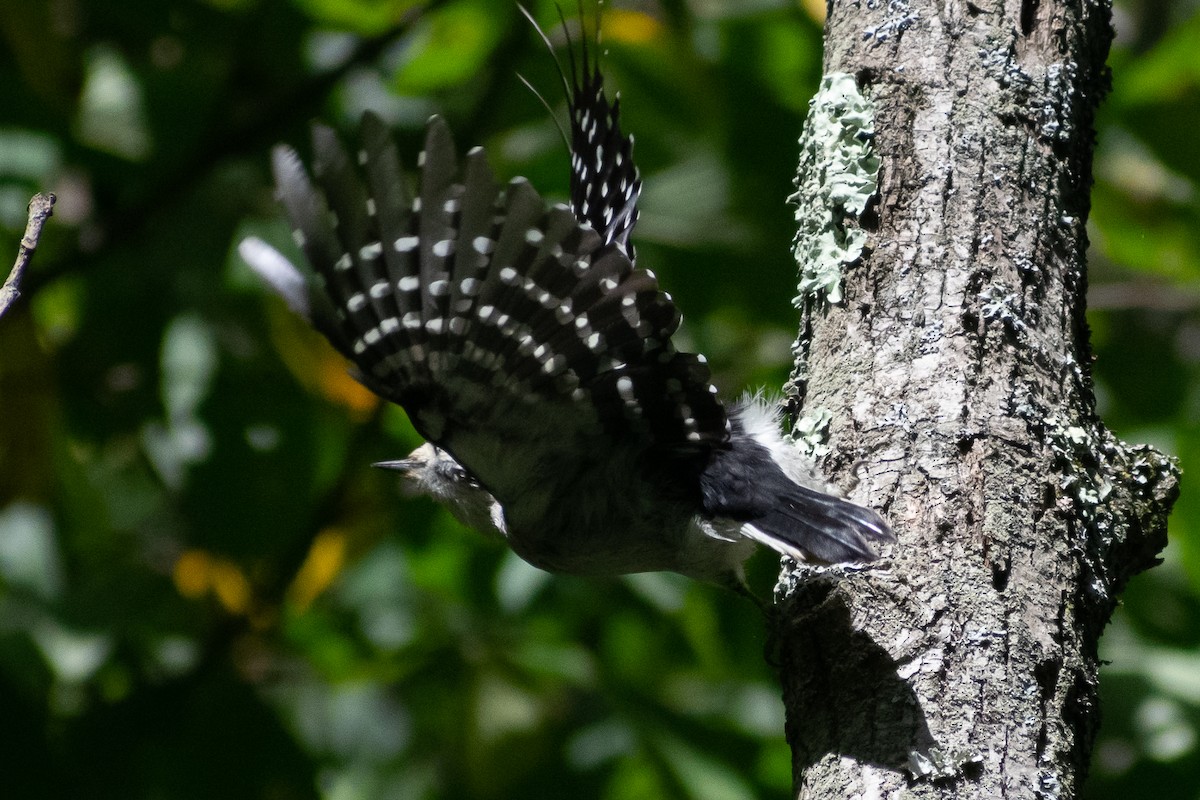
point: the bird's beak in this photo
(400, 465)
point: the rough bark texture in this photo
(957, 370)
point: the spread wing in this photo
(505, 327)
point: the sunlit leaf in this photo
(321, 566)
(451, 45)
(29, 557)
(368, 17)
(112, 114)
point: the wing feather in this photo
(491, 316)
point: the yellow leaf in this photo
(815, 9)
(630, 27)
(196, 573)
(231, 587)
(319, 367)
(191, 573)
(321, 566)
(336, 384)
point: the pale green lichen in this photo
(941, 765)
(836, 178)
(1080, 457)
(811, 432)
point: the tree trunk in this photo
(957, 370)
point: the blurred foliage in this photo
(205, 591)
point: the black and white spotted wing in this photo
(604, 180)
(501, 324)
(605, 183)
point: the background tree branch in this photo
(41, 206)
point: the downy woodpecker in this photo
(536, 358)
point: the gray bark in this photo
(957, 370)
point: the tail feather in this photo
(755, 482)
(812, 525)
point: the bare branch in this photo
(40, 209)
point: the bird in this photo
(536, 358)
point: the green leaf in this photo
(449, 47)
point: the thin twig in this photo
(40, 209)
